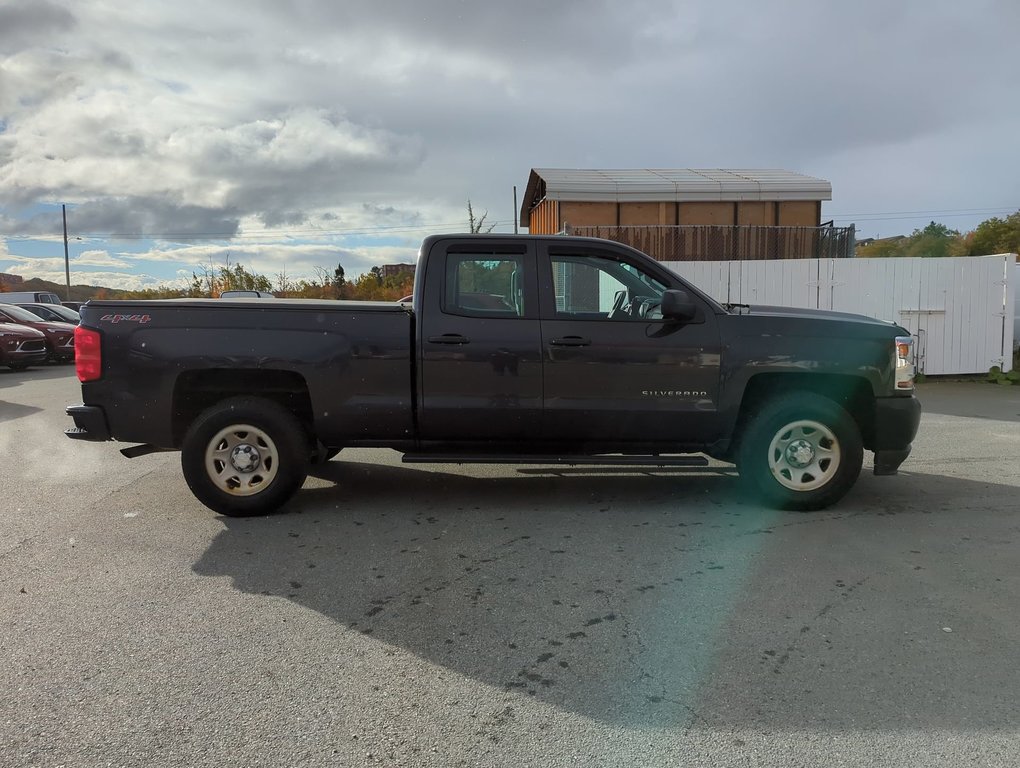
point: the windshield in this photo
(64, 314)
(19, 314)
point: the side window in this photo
(484, 285)
(598, 288)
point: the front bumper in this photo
(89, 423)
(20, 357)
(60, 352)
(896, 423)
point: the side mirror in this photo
(677, 305)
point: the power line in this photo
(902, 218)
(942, 210)
(864, 218)
(262, 235)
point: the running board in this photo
(601, 460)
(142, 450)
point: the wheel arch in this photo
(853, 393)
(196, 390)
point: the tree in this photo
(475, 225)
(284, 285)
(886, 247)
(934, 240)
(237, 278)
(339, 282)
(995, 235)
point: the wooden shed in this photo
(683, 213)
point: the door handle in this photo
(449, 338)
(570, 341)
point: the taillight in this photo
(903, 355)
(88, 354)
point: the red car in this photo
(59, 336)
(21, 346)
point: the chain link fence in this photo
(729, 243)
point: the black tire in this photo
(246, 430)
(17, 367)
(800, 451)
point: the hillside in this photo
(78, 292)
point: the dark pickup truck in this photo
(514, 349)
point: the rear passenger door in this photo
(480, 343)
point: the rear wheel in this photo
(245, 456)
(800, 451)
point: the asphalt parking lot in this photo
(508, 616)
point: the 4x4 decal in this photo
(125, 319)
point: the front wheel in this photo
(245, 456)
(800, 451)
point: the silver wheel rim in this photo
(804, 455)
(241, 460)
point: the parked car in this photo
(21, 346)
(40, 297)
(247, 295)
(59, 336)
(55, 312)
(75, 305)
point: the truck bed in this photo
(352, 362)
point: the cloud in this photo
(98, 259)
(30, 22)
(317, 115)
(298, 261)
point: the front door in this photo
(615, 370)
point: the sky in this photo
(293, 135)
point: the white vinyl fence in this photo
(959, 310)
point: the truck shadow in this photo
(9, 378)
(12, 411)
(653, 601)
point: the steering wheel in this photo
(651, 309)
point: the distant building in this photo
(392, 270)
(11, 279)
(684, 214)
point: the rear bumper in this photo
(896, 423)
(89, 423)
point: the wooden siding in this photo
(545, 218)
(578, 214)
(756, 214)
(550, 216)
(707, 213)
(796, 213)
(647, 213)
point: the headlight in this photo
(903, 359)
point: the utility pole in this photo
(515, 209)
(67, 261)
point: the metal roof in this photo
(640, 185)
